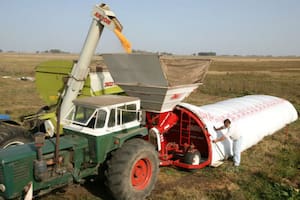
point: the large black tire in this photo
(11, 135)
(132, 170)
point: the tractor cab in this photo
(104, 114)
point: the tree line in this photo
(58, 51)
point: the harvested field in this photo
(269, 170)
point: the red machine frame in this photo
(177, 132)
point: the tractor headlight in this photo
(2, 188)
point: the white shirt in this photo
(232, 133)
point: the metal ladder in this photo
(185, 131)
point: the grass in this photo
(20, 97)
(269, 170)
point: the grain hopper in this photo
(161, 82)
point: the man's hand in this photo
(214, 141)
(220, 128)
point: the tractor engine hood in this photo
(17, 165)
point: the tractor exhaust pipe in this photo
(40, 165)
(39, 143)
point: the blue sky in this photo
(243, 27)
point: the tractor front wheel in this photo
(132, 170)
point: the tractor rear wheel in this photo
(11, 135)
(132, 170)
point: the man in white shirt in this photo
(236, 138)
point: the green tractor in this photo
(103, 132)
